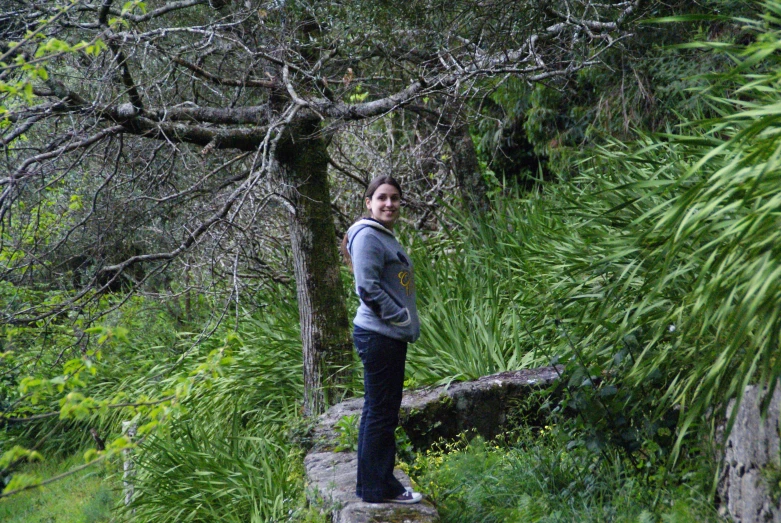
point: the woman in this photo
(386, 321)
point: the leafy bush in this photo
(347, 433)
(694, 260)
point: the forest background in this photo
(590, 184)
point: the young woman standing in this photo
(386, 321)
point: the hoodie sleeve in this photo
(368, 257)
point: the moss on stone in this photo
(400, 514)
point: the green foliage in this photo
(241, 469)
(471, 323)
(645, 83)
(347, 433)
(696, 261)
(771, 475)
(602, 411)
(537, 479)
(653, 275)
(32, 69)
(202, 473)
(168, 384)
(404, 449)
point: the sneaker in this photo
(408, 497)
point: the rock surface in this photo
(752, 446)
(331, 477)
(482, 406)
(426, 415)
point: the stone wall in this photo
(482, 406)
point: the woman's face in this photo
(384, 204)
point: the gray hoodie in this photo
(384, 282)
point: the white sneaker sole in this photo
(416, 498)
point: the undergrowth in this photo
(539, 478)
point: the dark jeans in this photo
(383, 380)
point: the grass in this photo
(85, 497)
(538, 478)
(198, 473)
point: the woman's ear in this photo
(368, 202)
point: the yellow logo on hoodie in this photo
(405, 279)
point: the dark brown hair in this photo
(381, 180)
(370, 189)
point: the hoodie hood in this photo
(362, 224)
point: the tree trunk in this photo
(474, 190)
(325, 330)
